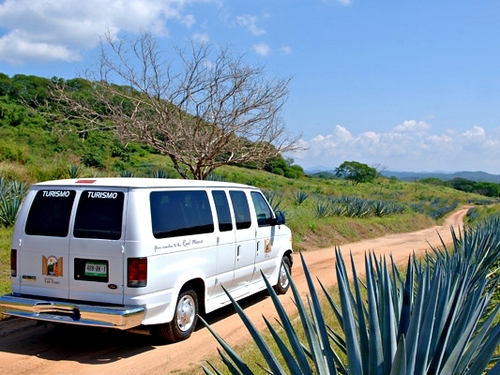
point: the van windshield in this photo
(180, 213)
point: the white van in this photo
(124, 252)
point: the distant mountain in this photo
(473, 176)
(477, 176)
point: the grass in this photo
(5, 239)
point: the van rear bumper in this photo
(106, 316)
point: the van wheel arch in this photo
(189, 304)
(185, 318)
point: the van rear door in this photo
(42, 242)
(96, 250)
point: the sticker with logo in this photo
(267, 245)
(52, 266)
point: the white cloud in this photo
(262, 49)
(200, 38)
(409, 146)
(250, 23)
(412, 126)
(286, 50)
(16, 48)
(475, 133)
(45, 30)
(345, 2)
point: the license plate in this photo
(96, 269)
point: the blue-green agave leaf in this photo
(399, 366)
(290, 360)
(321, 331)
(349, 327)
(287, 326)
(257, 337)
(232, 354)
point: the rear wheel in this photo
(185, 318)
(283, 281)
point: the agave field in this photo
(438, 317)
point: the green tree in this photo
(356, 172)
(29, 90)
(490, 189)
(284, 167)
(462, 184)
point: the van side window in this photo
(180, 213)
(50, 213)
(262, 209)
(222, 208)
(241, 209)
(99, 215)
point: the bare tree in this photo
(204, 109)
(380, 168)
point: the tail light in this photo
(13, 262)
(137, 272)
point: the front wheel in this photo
(283, 282)
(185, 318)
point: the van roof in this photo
(136, 182)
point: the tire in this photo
(283, 282)
(185, 318)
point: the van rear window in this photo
(50, 213)
(99, 215)
(180, 213)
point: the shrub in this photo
(94, 159)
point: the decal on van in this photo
(267, 245)
(52, 266)
(56, 193)
(102, 194)
(183, 243)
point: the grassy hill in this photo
(321, 212)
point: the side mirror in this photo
(280, 217)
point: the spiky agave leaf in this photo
(241, 366)
(269, 356)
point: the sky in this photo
(399, 85)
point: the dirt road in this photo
(27, 347)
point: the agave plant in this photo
(321, 210)
(300, 197)
(275, 199)
(437, 319)
(74, 171)
(12, 194)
